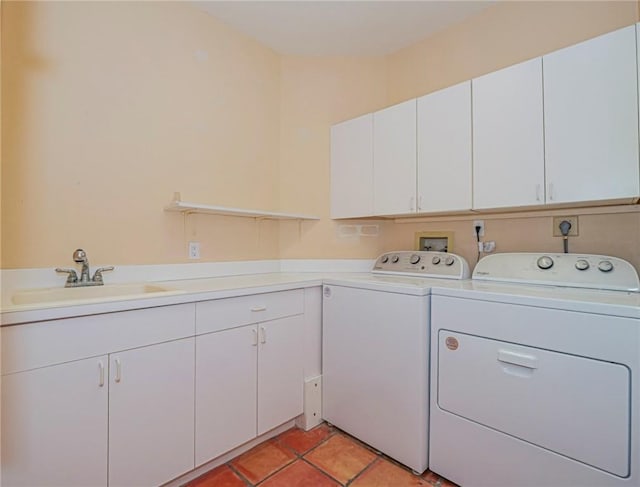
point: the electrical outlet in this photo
(573, 231)
(478, 223)
(489, 246)
(194, 250)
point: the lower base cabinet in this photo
(167, 390)
(280, 372)
(151, 417)
(226, 368)
(245, 373)
(125, 419)
(54, 425)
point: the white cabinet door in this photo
(508, 144)
(591, 119)
(352, 168)
(444, 149)
(394, 159)
(151, 413)
(54, 425)
(280, 371)
(226, 395)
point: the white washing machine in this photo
(535, 373)
(376, 351)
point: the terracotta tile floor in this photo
(322, 457)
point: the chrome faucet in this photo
(80, 256)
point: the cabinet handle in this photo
(118, 370)
(537, 192)
(420, 202)
(259, 308)
(263, 335)
(101, 376)
(550, 190)
(412, 201)
(254, 342)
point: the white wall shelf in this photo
(184, 207)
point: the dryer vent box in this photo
(434, 241)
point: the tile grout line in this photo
(298, 456)
(359, 474)
(237, 472)
(326, 474)
(333, 432)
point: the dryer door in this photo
(575, 406)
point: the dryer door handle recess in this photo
(515, 358)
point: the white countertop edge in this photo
(218, 290)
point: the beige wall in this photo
(315, 94)
(502, 35)
(110, 108)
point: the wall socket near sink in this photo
(573, 231)
(194, 250)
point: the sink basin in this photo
(108, 292)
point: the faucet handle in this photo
(97, 276)
(73, 277)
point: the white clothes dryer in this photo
(376, 351)
(535, 373)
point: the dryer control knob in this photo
(605, 266)
(582, 265)
(545, 262)
(449, 260)
(385, 259)
(415, 258)
(395, 259)
(435, 260)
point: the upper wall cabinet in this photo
(394, 159)
(591, 120)
(508, 144)
(561, 129)
(352, 168)
(444, 150)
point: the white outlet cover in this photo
(489, 246)
(194, 250)
(478, 223)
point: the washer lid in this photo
(567, 270)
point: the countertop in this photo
(180, 291)
(193, 290)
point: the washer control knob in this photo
(415, 258)
(605, 266)
(582, 265)
(545, 262)
(395, 259)
(435, 260)
(385, 259)
(449, 260)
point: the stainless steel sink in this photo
(107, 292)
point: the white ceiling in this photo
(340, 28)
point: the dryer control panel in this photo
(422, 264)
(566, 270)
